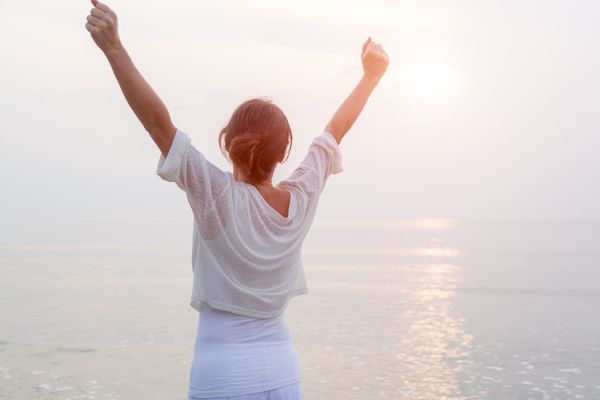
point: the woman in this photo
(247, 232)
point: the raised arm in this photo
(375, 61)
(145, 103)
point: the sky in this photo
(489, 109)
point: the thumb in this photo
(95, 2)
(365, 44)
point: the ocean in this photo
(396, 309)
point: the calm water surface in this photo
(397, 309)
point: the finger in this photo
(365, 44)
(103, 7)
(107, 10)
(94, 21)
(91, 28)
(94, 2)
(108, 18)
(98, 13)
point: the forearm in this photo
(348, 112)
(142, 99)
(102, 23)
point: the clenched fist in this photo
(102, 25)
(374, 59)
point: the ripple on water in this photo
(61, 349)
(575, 371)
(495, 368)
(74, 349)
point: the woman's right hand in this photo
(374, 59)
(102, 25)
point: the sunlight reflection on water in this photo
(436, 344)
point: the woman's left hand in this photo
(102, 25)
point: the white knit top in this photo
(246, 257)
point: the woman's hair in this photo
(256, 138)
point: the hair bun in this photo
(245, 151)
(256, 138)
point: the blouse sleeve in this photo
(202, 181)
(322, 159)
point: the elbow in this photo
(158, 127)
(156, 121)
(161, 133)
(153, 129)
(333, 128)
(336, 131)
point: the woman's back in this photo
(278, 199)
(246, 255)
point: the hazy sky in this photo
(489, 108)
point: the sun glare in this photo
(431, 78)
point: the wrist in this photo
(370, 79)
(114, 49)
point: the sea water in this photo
(397, 309)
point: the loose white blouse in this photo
(246, 256)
